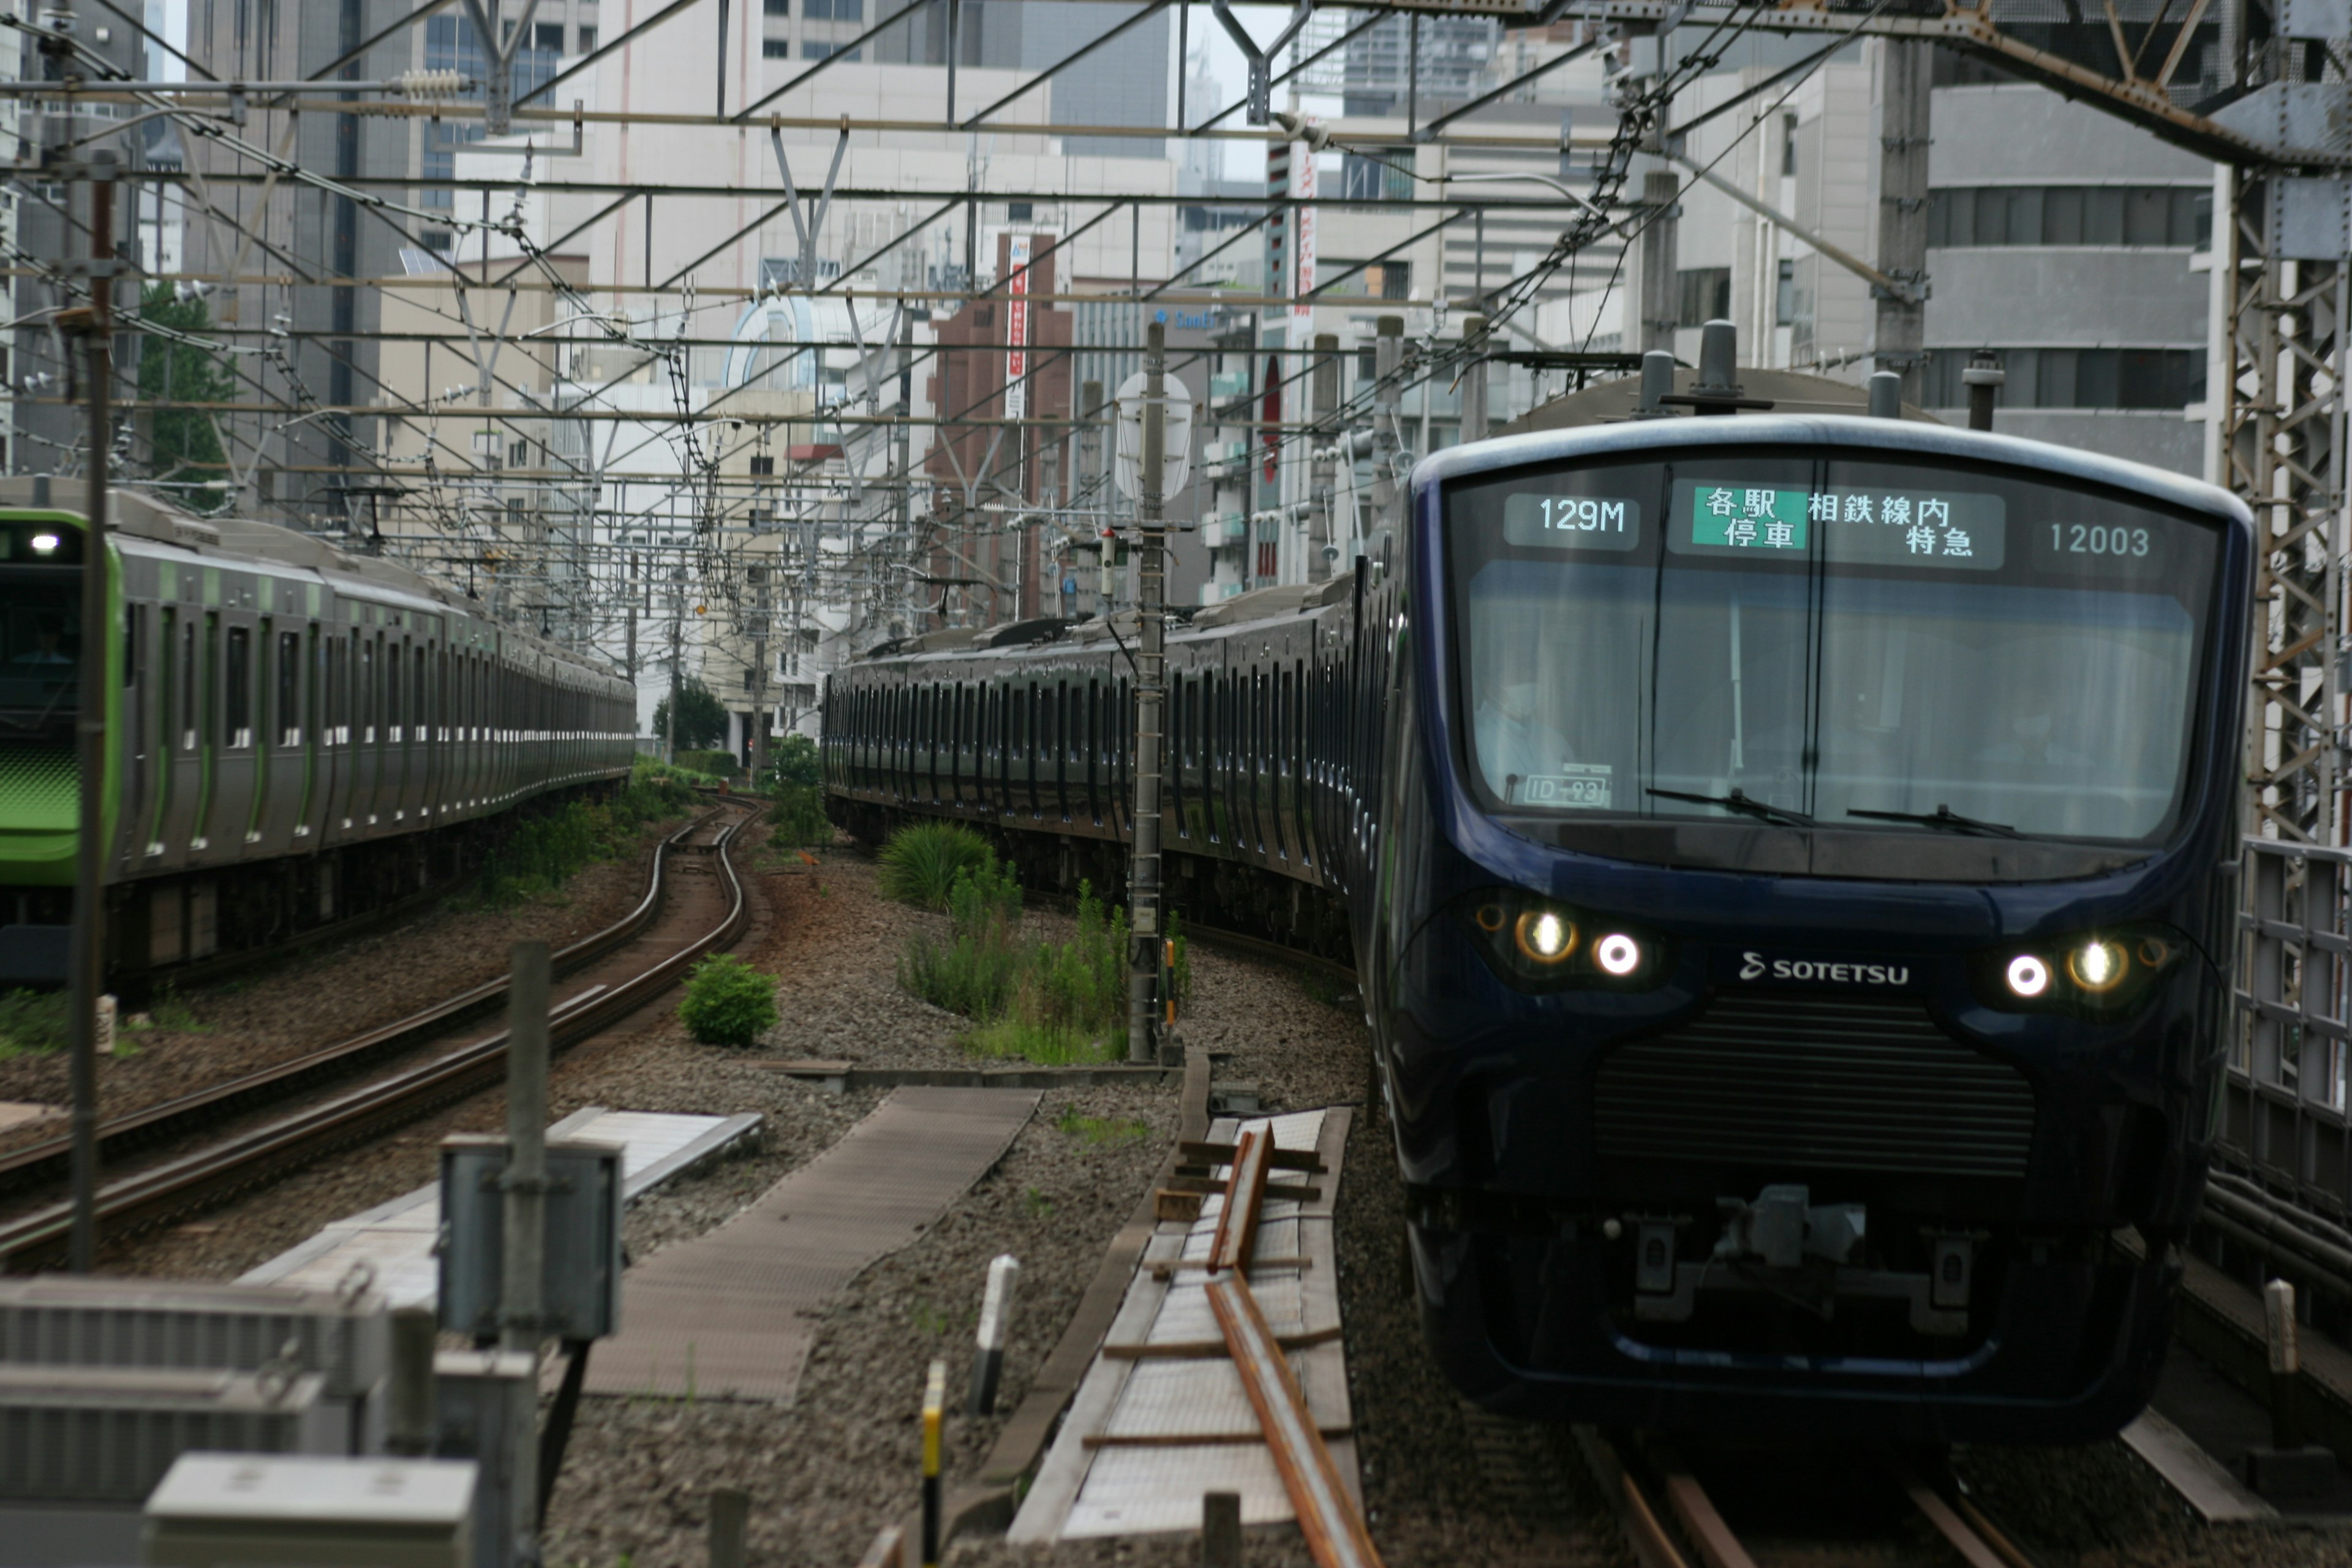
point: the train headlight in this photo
(1544, 936)
(2095, 974)
(45, 544)
(2028, 975)
(1537, 944)
(2098, 965)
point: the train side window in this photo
(241, 687)
(210, 693)
(187, 714)
(393, 711)
(289, 689)
(366, 714)
(131, 643)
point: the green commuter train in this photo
(295, 734)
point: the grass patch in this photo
(1100, 1130)
(1056, 1003)
(796, 818)
(1321, 986)
(920, 863)
(549, 850)
(32, 1023)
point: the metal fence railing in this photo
(2284, 1119)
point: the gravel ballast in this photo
(328, 994)
(825, 1474)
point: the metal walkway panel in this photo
(731, 1315)
(394, 1241)
(1157, 1422)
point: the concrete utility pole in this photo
(87, 945)
(1090, 415)
(1657, 286)
(676, 664)
(1323, 477)
(1473, 379)
(1905, 68)
(525, 1182)
(1150, 661)
(761, 624)
(1388, 355)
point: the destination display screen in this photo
(1950, 530)
(1572, 522)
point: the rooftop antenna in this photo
(1715, 390)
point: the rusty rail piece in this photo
(1336, 1533)
(245, 1161)
(1661, 1486)
(34, 1164)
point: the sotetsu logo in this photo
(1755, 966)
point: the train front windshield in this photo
(40, 625)
(1838, 643)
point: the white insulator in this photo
(422, 86)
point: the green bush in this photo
(793, 760)
(728, 1002)
(921, 862)
(717, 764)
(797, 817)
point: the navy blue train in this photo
(1788, 864)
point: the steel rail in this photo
(1648, 1483)
(33, 1163)
(1336, 1533)
(248, 1160)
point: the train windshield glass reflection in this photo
(1828, 637)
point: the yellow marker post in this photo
(1168, 978)
(935, 1406)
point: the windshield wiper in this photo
(1741, 802)
(1945, 817)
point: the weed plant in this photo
(1042, 1001)
(921, 862)
(32, 1023)
(548, 850)
(796, 818)
(728, 1002)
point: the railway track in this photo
(1762, 1508)
(694, 903)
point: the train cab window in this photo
(289, 687)
(240, 691)
(131, 624)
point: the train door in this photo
(203, 711)
(259, 752)
(1089, 746)
(1122, 757)
(145, 668)
(303, 655)
(334, 768)
(1280, 772)
(1218, 785)
(400, 728)
(1057, 713)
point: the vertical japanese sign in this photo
(1302, 184)
(1016, 330)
